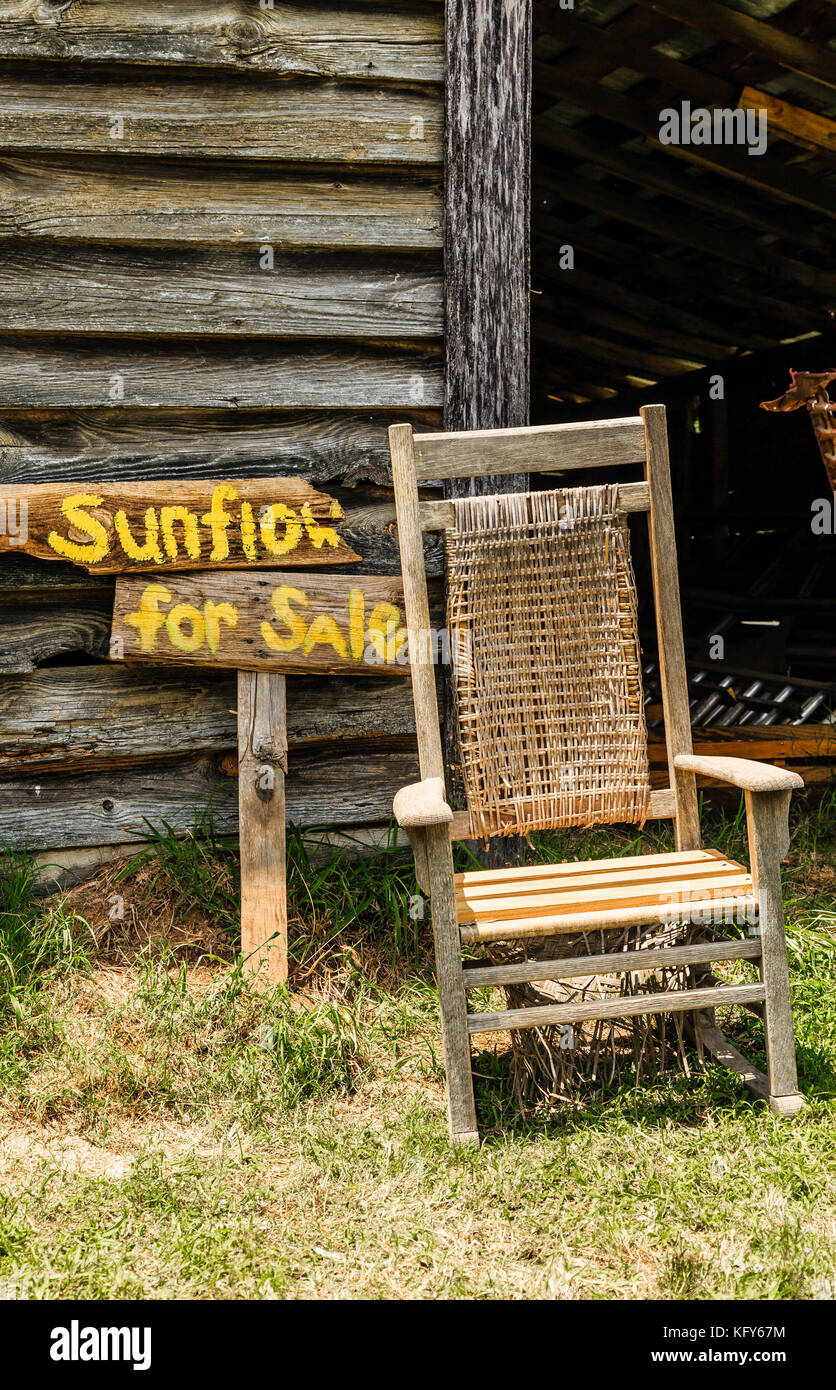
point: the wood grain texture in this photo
(31, 633)
(666, 1001)
(262, 767)
(461, 1110)
(103, 808)
(610, 963)
(672, 671)
(767, 814)
(155, 201)
(398, 41)
(146, 292)
(111, 527)
(68, 719)
(743, 772)
(290, 622)
(255, 376)
(535, 449)
(350, 447)
(487, 158)
(246, 118)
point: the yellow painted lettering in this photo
(89, 552)
(323, 631)
(319, 535)
(191, 539)
(214, 614)
(248, 532)
(148, 619)
(357, 623)
(150, 550)
(281, 599)
(384, 634)
(278, 512)
(185, 641)
(218, 520)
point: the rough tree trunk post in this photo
(487, 154)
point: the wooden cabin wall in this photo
(221, 257)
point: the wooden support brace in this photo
(262, 766)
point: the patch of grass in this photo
(184, 1137)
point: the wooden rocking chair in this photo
(542, 618)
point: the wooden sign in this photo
(334, 624)
(111, 528)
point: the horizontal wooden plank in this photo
(286, 622)
(539, 449)
(145, 201)
(767, 742)
(72, 719)
(113, 807)
(722, 909)
(255, 376)
(674, 895)
(246, 118)
(400, 41)
(84, 446)
(437, 516)
(611, 963)
(648, 863)
(175, 524)
(634, 875)
(149, 292)
(30, 633)
(624, 1006)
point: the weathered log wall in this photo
(221, 256)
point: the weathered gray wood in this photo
(487, 200)
(107, 528)
(611, 963)
(719, 1048)
(437, 516)
(262, 767)
(33, 633)
(743, 772)
(290, 622)
(251, 118)
(400, 41)
(768, 816)
(92, 200)
(112, 807)
(323, 447)
(630, 1006)
(672, 671)
(461, 1110)
(143, 291)
(416, 602)
(72, 718)
(542, 449)
(221, 375)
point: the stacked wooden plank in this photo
(221, 256)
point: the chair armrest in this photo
(422, 803)
(742, 772)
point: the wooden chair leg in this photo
(461, 1109)
(769, 841)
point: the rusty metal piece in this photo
(810, 389)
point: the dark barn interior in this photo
(699, 275)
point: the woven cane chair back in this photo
(547, 674)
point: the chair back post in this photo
(672, 670)
(427, 726)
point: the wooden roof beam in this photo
(771, 179)
(764, 40)
(645, 171)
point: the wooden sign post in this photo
(263, 622)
